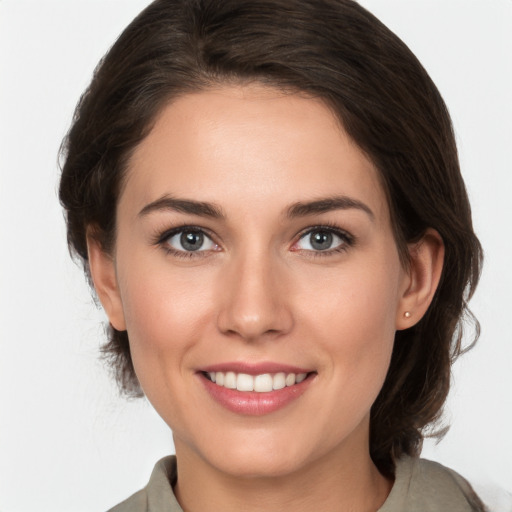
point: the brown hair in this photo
(331, 49)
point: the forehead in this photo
(249, 145)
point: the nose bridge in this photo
(255, 302)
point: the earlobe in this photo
(424, 274)
(103, 274)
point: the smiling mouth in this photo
(263, 383)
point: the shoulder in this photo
(138, 502)
(158, 495)
(426, 486)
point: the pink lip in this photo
(252, 403)
(254, 368)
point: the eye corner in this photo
(329, 235)
(174, 242)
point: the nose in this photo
(254, 300)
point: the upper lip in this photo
(254, 368)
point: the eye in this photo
(190, 240)
(323, 240)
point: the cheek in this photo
(166, 313)
(354, 311)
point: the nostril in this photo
(265, 324)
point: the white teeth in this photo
(260, 383)
(244, 382)
(230, 380)
(290, 379)
(263, 383)
(279, 381)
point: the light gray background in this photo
(67, 441)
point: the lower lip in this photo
(252, 403)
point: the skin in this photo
(260, 292)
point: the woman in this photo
(268, 201)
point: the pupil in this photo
(321, 240)
(191, 241)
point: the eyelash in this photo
(348, 241)
(161, 240)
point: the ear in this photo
(104, 278)
(423, 275)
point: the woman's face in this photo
(254, 246)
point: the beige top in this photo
(420, 486)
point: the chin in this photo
(259, 457)
(260, 465)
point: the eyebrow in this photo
(328, 204)
(200, 208)
(299, 209)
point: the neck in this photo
(338, 481)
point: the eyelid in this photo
(348, 239)
(164, 235)
(162, 238)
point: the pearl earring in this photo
(407, 314)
